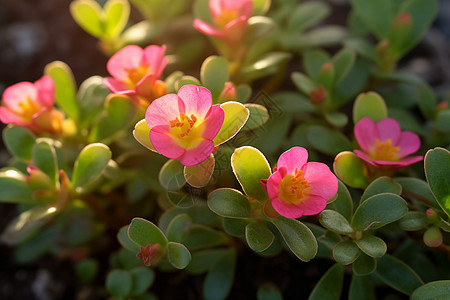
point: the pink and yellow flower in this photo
(136, 72)
(183, 126)
(384, 144)
(31, 105)
(229, 19)
(297, 187)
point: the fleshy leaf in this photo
(236, 114)
(13, 187)
(417, 189)
(144, 232)
(229, 203)
(19, 141)
(65, 88)
(378, 211)
(327, 141)
(432, 291)
(335, 222)
(142, 279)
(350, 169)
(125, 241)
(269, 292)
(141, 133)
(413, 220)
(178, 255)
(118, 283)
(44, 157)
(235, 227)
(343, 62)
(381, 185)
(90, 164)
(303, 82)
(361, 288)
(307, 14)
(372, 246)
(258, 236)
(258, 116)
(443, 121)
(364, 265)
(369, 105)
(377, 15)
(313, 60)
(214, 73)
(298, 237)
(87, 14)
(178, 228)
(343, 203)
(116, 14)
(260, 7)
(398, 275)
(199, 175)
(426, 100)
(201, 237)
(220, 277)
(330, 285)
(346, 252)
(250, 166)
(437, 171)
(171, 175)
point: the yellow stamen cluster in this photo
(136, 75)
(225, 17)
(293, 188)
(183, 125)
(384, 151)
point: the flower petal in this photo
(197, 100)
(291, 161)
(287, 210)
(45, 91)
(8, 117)
(154, 55)
(312, 205)
(389, 129)
(165, 144)
(213, 122)
(366, 133)
(409, 142)
(401, 163)
(198, 154)
(16, 93)
(129, 57)
(273, 183)
(116, 86)
(206, 28)
(364, 157)
(322, 181)
(162, 110)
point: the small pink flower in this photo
(229, 19)
(183, 126)
(384, 144)
(31, 105)
(297, 187)
(149, 254)
(136, 72)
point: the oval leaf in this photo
(329, 286)
(19, 141)
(335, 222)
(13, 187)
(141, 133)
(178, 228)
(220, 277)
(118, 283)
(87, 14)
(372, 246)
(144, 232)
(214, 73)
(381, 185)
(258, 116)
(350, 169)
(369, 105)
(171, 175)
(327, 141)
(125, 241)
(44, 157)
(178, 255)
(432, 291)
(199, 175)
(437, 171)
(236, 114)
(258, 236)
(346, 252)
(116, 14)
(229, 203)
(364, 265)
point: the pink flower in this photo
(150, 254)
(183, 126)
(31, 105)
(384, 144)
(297, 187)
(229, 19)
(136, 72)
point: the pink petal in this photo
(154, 55)
(246, 8)
(197, 100)
(291, 161)
(322, 181)
(312, 205)
(45, 91)
(165, 144)
(198, 154)
(206, 28)
(364, 157)
(389, 129)
(213, 122)
(129, 57)
(273, 183)
(408, 143)
(216, 7)
(401, 163)
(163, 110)
(116, 86)
(287, 210)
(146, 85)
(366, 133)
(15, 94)
(8, 117)
(235, 30)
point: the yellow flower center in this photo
(182, 126)
(135, 75)
(384, 151)
(28, 109)
(225, 17)
(293, 188)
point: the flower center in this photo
(182, 126)
(384, 151)
(294, 188)
(29, 108)
(225, 17)
(135, 75)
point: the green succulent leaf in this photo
(413, 220)
(144, 232)
(142, 279)
(214, 73)
(116, 14)
(334, 221)
(306, 15)
(258, 236)
(361, 288)
(330, 285)
(372, 246)
(14, 188)
(328, 141)
(258, 116)
(178, 228)
(171, 175)
(229, 203)
(377, 15)
(236, 114)
(178, 255)
(369, 105)
(250, 166)
(141, 133)
(88, 14)
(381, 185)
(343, 204)
(346, 252)
(199, 175)
(437, 171)
(298, 237)
(364, 265)
(350, 169)
(19, 141)
(119, 283)
(220, 277)
(432, 291)
(343, 62)
(202, 237)
(125, 241)
(44, 157)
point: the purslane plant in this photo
(183, 167)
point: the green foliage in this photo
(19, 141)
(437, 170)
(330, 285)
(144, 232)
(229, 203)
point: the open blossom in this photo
(229, 19)
(384, 144)
(183, 126)
(136, 72)
(31, 105)
(297, 187)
